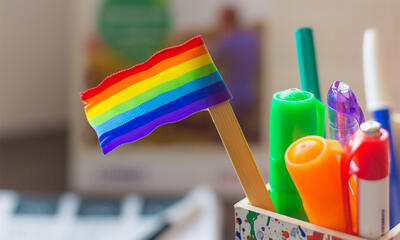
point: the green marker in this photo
(307, 61)
(294, 114)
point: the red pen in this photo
(366, 155)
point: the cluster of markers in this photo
(340, 183)
(349, 181)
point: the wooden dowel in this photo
(239, 152)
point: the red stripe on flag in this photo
(156, 58)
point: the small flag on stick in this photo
(172, 85)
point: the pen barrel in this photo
(373, 185)
(307, 61)
(383, 117)
(366, 156)
(373, 207)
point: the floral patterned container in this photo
(252, 223)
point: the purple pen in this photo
(344, 113)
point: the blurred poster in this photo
(127, 32)
(236, 52)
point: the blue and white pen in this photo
(377, 96)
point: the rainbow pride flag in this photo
(170, 86)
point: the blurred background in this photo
(50, 50)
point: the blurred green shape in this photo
(135, 28)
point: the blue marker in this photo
(377, 97)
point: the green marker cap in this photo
(294, 114)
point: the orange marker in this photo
(314, 165)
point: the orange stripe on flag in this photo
(156, 69)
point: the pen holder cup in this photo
(258, 224)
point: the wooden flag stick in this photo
(239, 152)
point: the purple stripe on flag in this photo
(168, 118)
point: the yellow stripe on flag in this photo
(145, 85)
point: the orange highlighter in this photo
(314, 165)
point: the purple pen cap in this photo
(344, 113)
